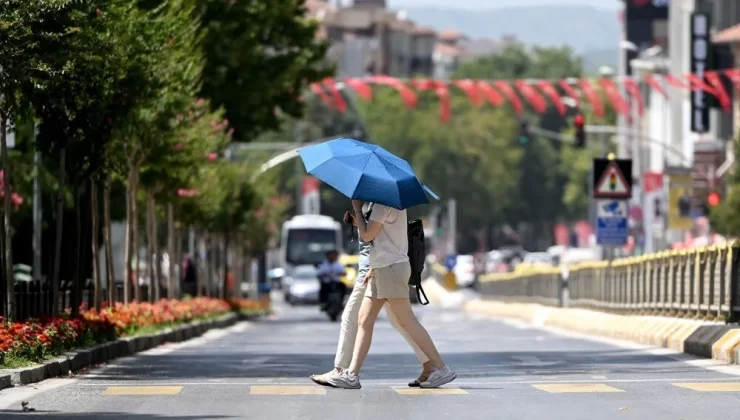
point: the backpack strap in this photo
(419, 293)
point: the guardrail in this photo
(702, 283)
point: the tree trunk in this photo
(153, 249)
(171, 251)
(128, 254)
(110, 272)
(56, 309)
(76, 290)
(178, 259)
(225, 265)
(94, 217)
(135, 235)
(7, 228)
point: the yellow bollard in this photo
(450, 281)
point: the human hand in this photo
(368, 276)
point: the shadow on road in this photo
(13, 415)
(233, 364)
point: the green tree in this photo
(542, 175)
(259, 56)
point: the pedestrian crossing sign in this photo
(611, 179)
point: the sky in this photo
(494, 4)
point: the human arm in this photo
(368, 231)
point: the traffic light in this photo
(523, 132)
(580, 131)
(713, 199)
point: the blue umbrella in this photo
(367, 172)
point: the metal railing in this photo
(702, 283)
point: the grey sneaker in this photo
(322, 379)
(439, 377)
(344, 380)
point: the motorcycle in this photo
(335, 301)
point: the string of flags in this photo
(536, 95)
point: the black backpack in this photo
(417, 256)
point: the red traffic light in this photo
(713, 199)
(578, 120)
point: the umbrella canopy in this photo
(367, 172)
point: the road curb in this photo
(700, 338)
(78, 359)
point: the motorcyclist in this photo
(330, 272)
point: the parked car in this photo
(302, 285)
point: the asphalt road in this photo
(506, 371)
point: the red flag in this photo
(491, 94)
(516, 103)
(593, 97)
(553, 94)
(698, 83)
(533, 97)
(470, 89)
(318, 90)
(634, 91)
(408, 96)
(676, 82)
(443, 93)
(570, 91)
(614, 96)
(722, 96)
(336, 94)
(655, 84)
(734, 76)
(363, 90)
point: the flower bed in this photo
(250, 307)
(22, 343)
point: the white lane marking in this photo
(534, 361)
(696, 361)
(384, 384)
(598, 377)
(12, 397)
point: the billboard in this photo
(680, 199)
(700, 56)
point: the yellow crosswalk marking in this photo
(576, 388)
(430, 391)
(142, 390)
(286, 390)
(711, 386)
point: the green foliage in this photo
(470, 159)
(259, 55)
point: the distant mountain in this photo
(584, 28)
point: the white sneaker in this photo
(344, 380)
(439, 377)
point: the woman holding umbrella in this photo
(366, 172)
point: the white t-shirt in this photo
(391, 245)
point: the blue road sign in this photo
(450, 262)
(611, 222)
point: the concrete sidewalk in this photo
(700, 338)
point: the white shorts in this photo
(390, 282)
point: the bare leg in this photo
(368, 315)
(401, 307)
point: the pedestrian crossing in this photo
(314, 390)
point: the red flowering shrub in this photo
(41, 338)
